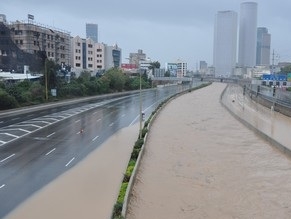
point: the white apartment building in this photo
(181, 69)
(90, 56)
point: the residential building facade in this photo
(90, 56)
(181, 69)
(112, 57)
(225, 43)
(137, 58)
(32, 38)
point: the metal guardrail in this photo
(278, 99)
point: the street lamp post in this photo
(140, 107)
(46, 79)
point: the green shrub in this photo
(143, 132)
(139, 143)
(122, 192)
(7, 101)
(117, 210)
(135, 153)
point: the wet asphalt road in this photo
(36, 148)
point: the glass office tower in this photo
(247, 34)
(225, 43)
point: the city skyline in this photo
(165, 32)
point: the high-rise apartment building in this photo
(225, 43)
(92, 32)
(247, 34)
(263, 47)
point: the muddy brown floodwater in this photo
(200, 162)
(89, 190)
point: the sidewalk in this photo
(200, 162)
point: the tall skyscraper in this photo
(263, 46)
(92, 32)
(225, 43)
(247, 34)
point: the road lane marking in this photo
(2, 186)
(70, 161)
(95, 112)
(111, 124)
(77, 120)
(50, 134)
(98, 120)
(7, 158)
(133, 121)
(123, 115)
(95, 138)
(15, 136)
(15, 118)
(1, 121)
(50, 151)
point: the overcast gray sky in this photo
(165, 30)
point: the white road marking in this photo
(123, 115)
(20, 125)
(50, 151)
(77, 120)
(7, 158)
(50, 134)
(70, 161)
(15, 118)
(2, 186)
(95, 138)
(98, 120)
(95, 112)
(111, 124)
(15, 136)
(1, 121)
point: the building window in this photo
(99, 50)
(18, 32)
(78, 65)
(90, 65)
(21, 42)
(78, 44)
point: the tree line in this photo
(25, 93)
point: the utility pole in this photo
(140, 107)
(273, 61)
(46, 79)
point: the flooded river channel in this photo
(200, 162)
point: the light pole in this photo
(46, 79)
(140, 107)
